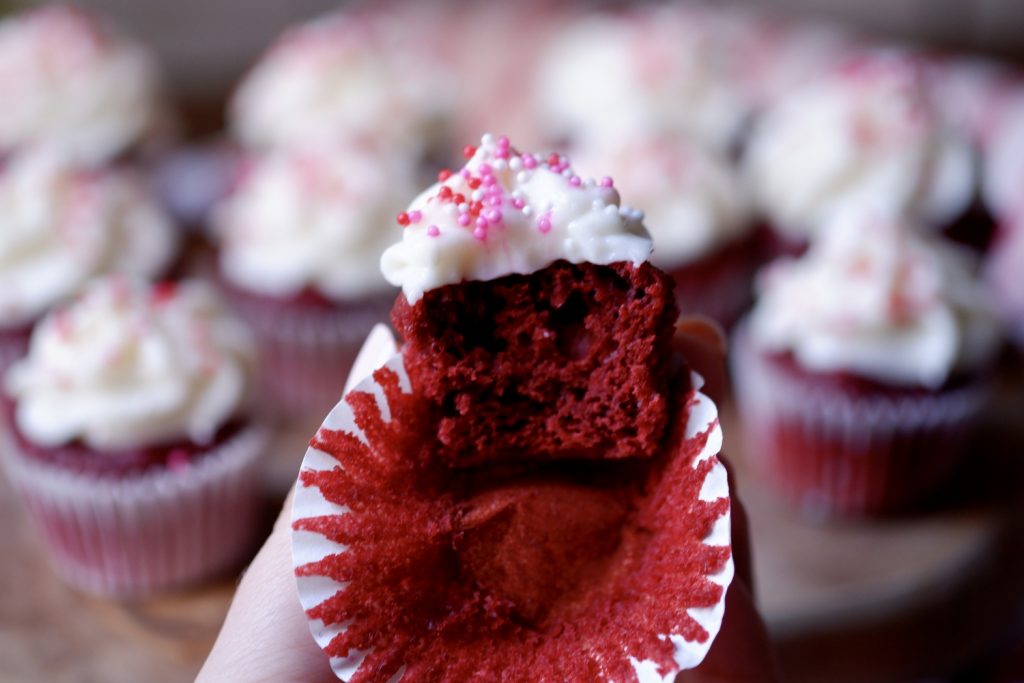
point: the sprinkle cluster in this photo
(478, 199)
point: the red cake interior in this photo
(568, 362)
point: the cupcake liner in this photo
(831, 453)
(311, 508)
(141, 534)
(305, 353)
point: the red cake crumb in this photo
(535, 570)
(567, 362)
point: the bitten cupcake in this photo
(300, 241)
(356, 73)
(61, 225)
(70, 82)
(867, 137)
(863, 367)
(128, 437)
(698, 213)
(529, 490)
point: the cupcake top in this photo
(61, 225)
(313, 218)
(693, 200)
(877, 299)
(68, 81)
(342, 72)
(129, 365)
(509, 212)
(648, 71)
(865, 138)
(1004, 161)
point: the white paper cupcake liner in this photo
(856, 454)
(305, 355)
(137, 535)
(311, 547)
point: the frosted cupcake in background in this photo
(352, 73)
(60, 226)
(1003, 170)
(649, 71)
(867, 138)
(863, 368)
(70, 82)
(1003, 277)
(698, 214)
(300, 242)
(129, 441)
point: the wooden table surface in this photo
(854, 601)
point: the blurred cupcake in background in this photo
(300, 242)
(70, 82)
(1004, 270)
(646, 71)
(863, 367)
(129, 441)
(868, 137)
(1003, 170)
(698, 214)
(61, 225)
(355, 73)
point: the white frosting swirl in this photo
(875, 298)
(651, 71)
(517, 213)
(60, 226)
(314, 217)
(867, 138)
(344, 72)
(128, 365)
(69, 82)
(693, 200)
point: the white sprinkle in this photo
(515, 163)
(597, 204)
(487, 139)
(463, 207)
(527, 210)
(451, 208)
(522, 177)
(499, 164)
(567, 173)
(477, 195)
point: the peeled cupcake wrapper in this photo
(136, 535)
(859, 454)
(310, 547)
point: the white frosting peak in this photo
(60, 226)
(67, 81)
(866, 138)
(128, 365)
(875, 298)
(344, 72)
(507, 212)
(314, 217)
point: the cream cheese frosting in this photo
(866, 138)
(130, 365)
(61, 225)
(342, 72)
(693, 198)
(508, 212)
(314, 217)
(69, 82)
(876, 298)
(649, 71)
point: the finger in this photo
(266, 637)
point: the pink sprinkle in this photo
(433, 231)
(575, 181)
(480, 233)
(529, 161)
(415, 216)
(481, 223)
(518, 203)
(485, 169)
(493, 215)
(544, 224)
(606, 181)
(503, 141)
(465, 173)
(490, 180)
(495, 200)
(463, 219)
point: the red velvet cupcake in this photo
(863, 369)
(529, 490)
(128, 439)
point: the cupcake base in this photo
(834, 448)
(136, 535)
(720, 285)
(306, 346)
